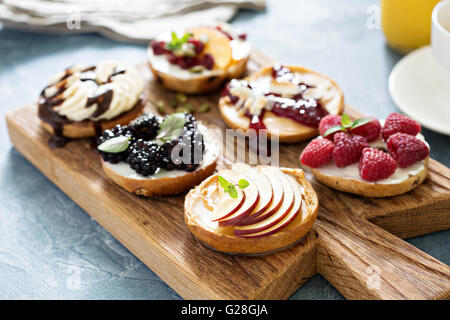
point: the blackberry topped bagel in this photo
(83, 101)
(369, 157)
(288, 101)
(154, 156)
(251, 210)
(200, 59)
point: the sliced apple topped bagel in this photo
(155, 156)
(367, 156)
(287, 101)
(199, 59)
(251, 210)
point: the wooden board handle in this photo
(364, 261)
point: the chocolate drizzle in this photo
(103, 101)
(46, 104)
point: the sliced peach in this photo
(218, 45)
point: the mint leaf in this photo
(333, 130)
(171, 127)
(346, 122)
(243, 183)
(360, 122)
(228, 187)
(115, 145)
(176, 43)
(232, 191)
(223, 182)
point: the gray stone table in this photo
(51, 249)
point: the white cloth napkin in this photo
(132, 20)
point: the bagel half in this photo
(160, 186)
(196, 83)
(222, 239)
(169, 182)
(89, 128)
(372, 189)
(289, 131)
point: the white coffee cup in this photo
(440, 33)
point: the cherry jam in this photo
(185, 62)
(256, 121)
(306, 112)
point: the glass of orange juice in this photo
(407, 23)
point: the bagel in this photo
(165, 182)
(82, 101)
(224, 239)
(222, 43)
(286, 129)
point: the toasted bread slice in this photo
(223, 239)
(89, 128)
(372, 189)
(287, 130)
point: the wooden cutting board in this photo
(355, 243)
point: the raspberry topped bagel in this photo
(288, 101)
(154, 156)
(199, 59)
(83, 101)
(368, 157)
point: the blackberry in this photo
(144, 157)
(118, 130)
(145, 126)
(191, 141)
(190, 122)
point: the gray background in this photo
(44, 235)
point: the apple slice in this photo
(277, 198)
(262, 183)
(227, 205)
(274, 218)
(250, 202)
(293, 213)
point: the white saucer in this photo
(420, 87)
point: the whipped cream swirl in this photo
(95, 93)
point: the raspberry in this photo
(198, 45)
(347, 148)
(407, 149)
(370, 130)
(317, 153)
(328, 122)
(376, 165)
(396, 122)
(159, 47)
